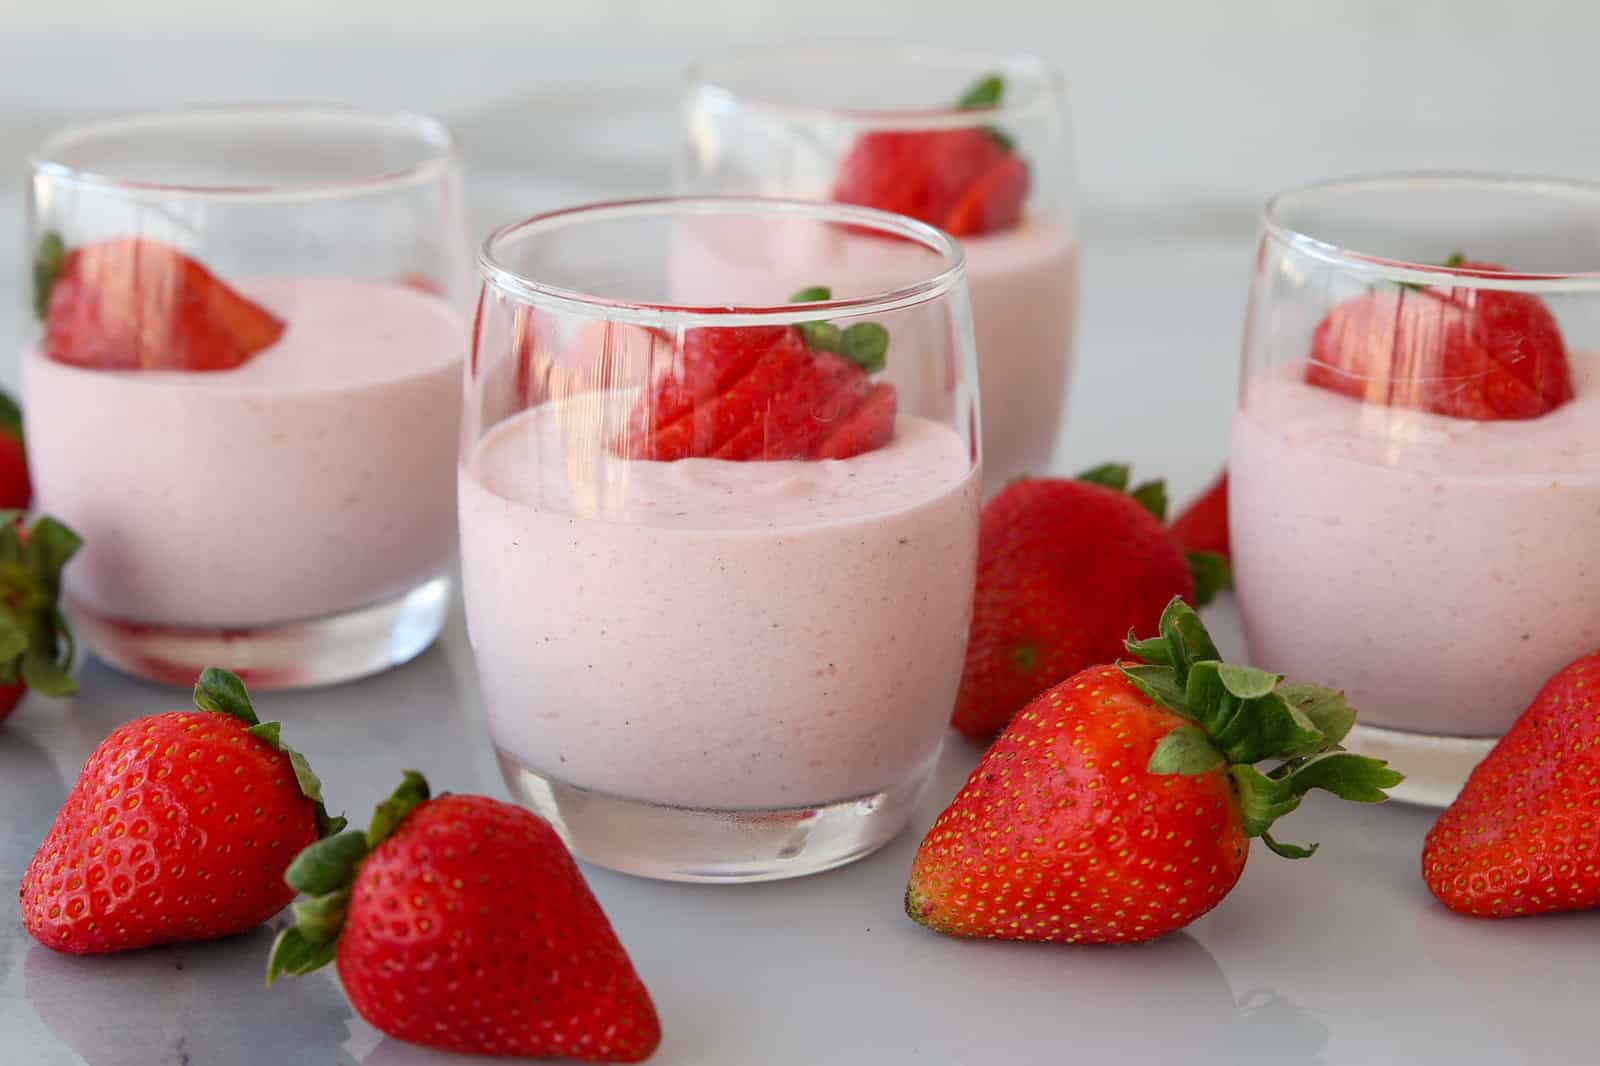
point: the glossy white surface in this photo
(1343, 960)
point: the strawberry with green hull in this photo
(16, 487)
(36, 645)
(968, 182)
(179, 828)
(1066, 567)
(1471, 353)
(462, 923)
(140, 304)
(1523, 837)
(1119, 805)
(767, 393)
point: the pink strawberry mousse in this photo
(1439, 570)
(316, 478)
(712, 634)
(1023, 285)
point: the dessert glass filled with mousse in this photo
(718, 556)
(241, 383)
(1415, 458)
(973, 143)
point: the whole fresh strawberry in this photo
(1523, 837)
(16, 488)
(767, 393)
(462, 923)
(180, 827)
(1203, 525)
(139, 304)
(967, 182)
(36, 647)
(1066, 568)
(1119, 805)
(1464, 352)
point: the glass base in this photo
(318, 651)
(712, 846)
(1435, 766)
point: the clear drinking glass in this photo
(718, 556)
(881, 125)
(241, 381)
(1415, 468)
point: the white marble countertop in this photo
(1343, 960)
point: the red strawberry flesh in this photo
(1463, 352)
(139, 304)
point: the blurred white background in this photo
(1187, 114)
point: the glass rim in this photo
(440, 152)
(702, 75)
(1275, 227)
(529, 290)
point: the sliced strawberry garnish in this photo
(870, 428)
(137, 304)
(712, 423)
(967, 181)
(1463, 352)
(993, 202)
(828, 390)
(765, 393)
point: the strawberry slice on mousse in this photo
(967, 182)
(767, 393)
(1468, 353)
(138, 304)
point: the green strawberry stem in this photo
(1242, 716)
(221, 692)
(36, 645)
(47, 260)
(325, 873)
(865, 344)
(1210, 571)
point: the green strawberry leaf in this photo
(47, 261)
(1185, 750)
(1152, 496)
(1160, 684)
(44, 673)
(1210, 573)
(815, 294)
(412, 792)
(1246, 682)
(1288, 851)
(13, 636)
(865, 344)
(987, 91)
(1113, 476)
(295, 954)
(820, 336)
(328, 865)
(48, 547)
(1347, 775)
(1325, 707)
(222, 692)
(10, 416)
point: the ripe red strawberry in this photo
(36, 646)
(1523, 837)
(1065, 569)
(1462, 352)
(966, 181)
(1118, 806)
(1203, 525)
(16, 489)
(139, 304)
(766, 393)
(462, 923)
(179, 828)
